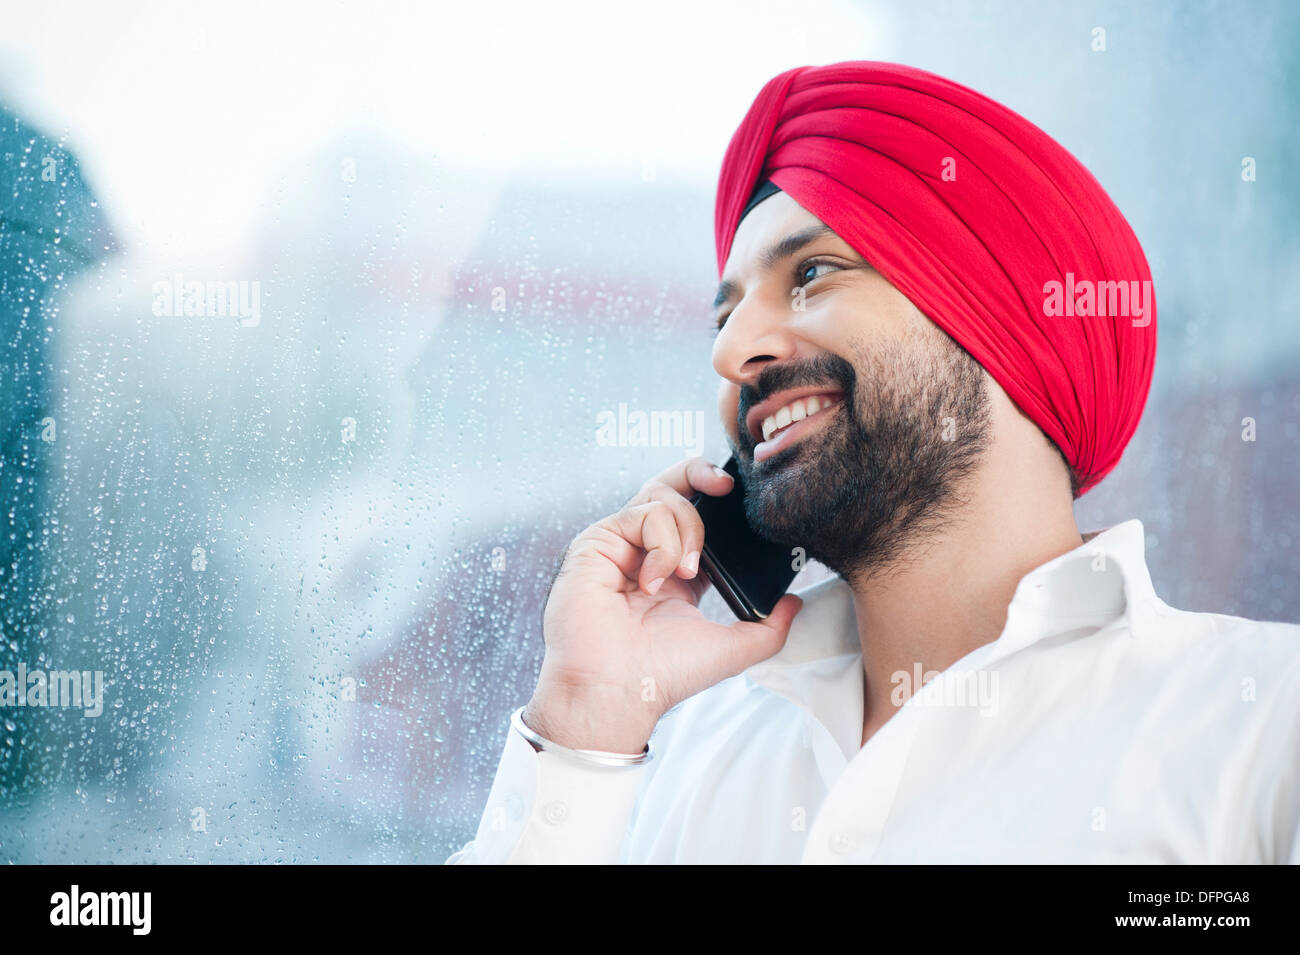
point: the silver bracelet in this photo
(541, 743)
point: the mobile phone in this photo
(749, 571)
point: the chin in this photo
(787, 498)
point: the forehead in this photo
(772, 219)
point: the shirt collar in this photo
(1101, 580)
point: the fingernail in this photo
(692, 561)
(654, 585)
(719, 472)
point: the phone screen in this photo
(749, 571)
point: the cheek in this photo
(868, 310)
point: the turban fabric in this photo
(988, 225)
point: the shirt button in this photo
(845, 842)
(556, 812)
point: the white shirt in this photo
(1102, 726)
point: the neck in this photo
(948, 594)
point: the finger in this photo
(690, 589)
(653, 528)
(747, 642)
(691, 475)
(610, 556)
(690, 527)
(680, 588)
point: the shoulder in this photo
(1236, 671)
(1240, 716)
(1216, 640)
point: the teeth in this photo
(796, 410)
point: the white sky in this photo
(180, 111)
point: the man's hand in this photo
(625, 639)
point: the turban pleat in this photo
(970, 211)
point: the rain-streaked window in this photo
(321, 343)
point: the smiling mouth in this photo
(794, 421)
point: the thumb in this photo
(749, 642)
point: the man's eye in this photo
(807, 271)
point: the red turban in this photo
(987, 224)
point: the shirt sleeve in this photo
(549, 809)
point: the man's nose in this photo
(757, 332)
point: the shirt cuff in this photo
(546, 808)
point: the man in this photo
(935, 332)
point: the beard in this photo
(883, 473)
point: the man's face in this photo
(852, 415)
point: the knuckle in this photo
(648, 489)
(658, 509)
(659, 491)
(632, 512)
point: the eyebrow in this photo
(780, 250)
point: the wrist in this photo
(595, 757)
(581, 722)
